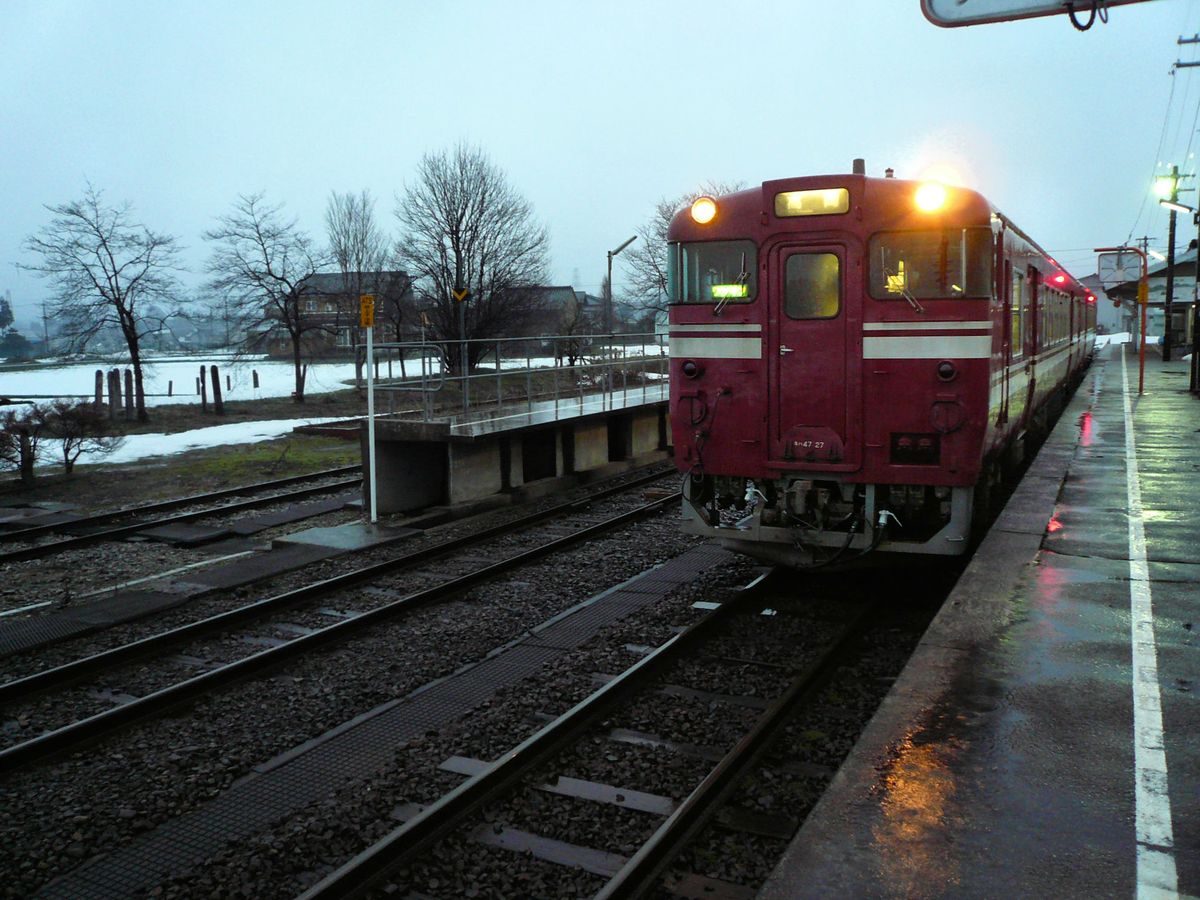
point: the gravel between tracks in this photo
(66, 577)
(220, 601)
(57, 815)
(308, 844)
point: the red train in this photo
(854, 362)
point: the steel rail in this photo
(34, 531)
(641, 873)
(402, 845)
(72, 736)
(108, 534)
(68, 673)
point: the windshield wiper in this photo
(912, 301)
(743, 278)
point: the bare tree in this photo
(646, 261)
(359, 248)
(356, 244)
(394, 303)
(81, 428)
(464, 226)
(105, 269)
(20, 440)
(261, 262)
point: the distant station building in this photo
(329, 308)
(1182, 299)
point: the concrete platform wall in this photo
(434, 469)
(411, 474)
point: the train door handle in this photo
(784, 350)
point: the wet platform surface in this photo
(1008, 761)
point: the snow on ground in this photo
(1103, 340)
(141, 446)
(65, 378)
(276, 379)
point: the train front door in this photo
(814, 385)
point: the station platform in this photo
(1042, 740)
(517, 449)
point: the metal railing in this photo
(518, 377)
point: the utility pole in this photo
(1169, 190)
(1166, 341)
(45, 330)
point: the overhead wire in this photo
(1162, 137)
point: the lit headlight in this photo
(931, 196)
(704, 210)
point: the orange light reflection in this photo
(918, 814)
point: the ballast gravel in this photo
(55, 816)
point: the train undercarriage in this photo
(824, 522)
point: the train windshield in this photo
(717, 272)
(927, 265)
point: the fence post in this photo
(99, 389)
(203, 379)
(218, 403)
(114, 393)
(129, 393)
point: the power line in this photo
(1157, 156)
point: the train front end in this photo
(831, 344)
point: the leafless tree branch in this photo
(260, 262)
(105, 269)
(646, 260)
(464, 226)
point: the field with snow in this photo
(275, 378)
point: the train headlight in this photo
(690, 369)
(704, 210)
(930, 196)
(946, 370)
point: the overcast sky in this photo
(595, 110)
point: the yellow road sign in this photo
(1143, 293)
(460, 295)
(366, 310)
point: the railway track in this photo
(243, 631)
(728, 635)
(265, 787)
(97, 528)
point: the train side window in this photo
(812, 286)
(1017, 342)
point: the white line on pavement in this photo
(1156, 874)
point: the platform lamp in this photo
(1194, 383)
